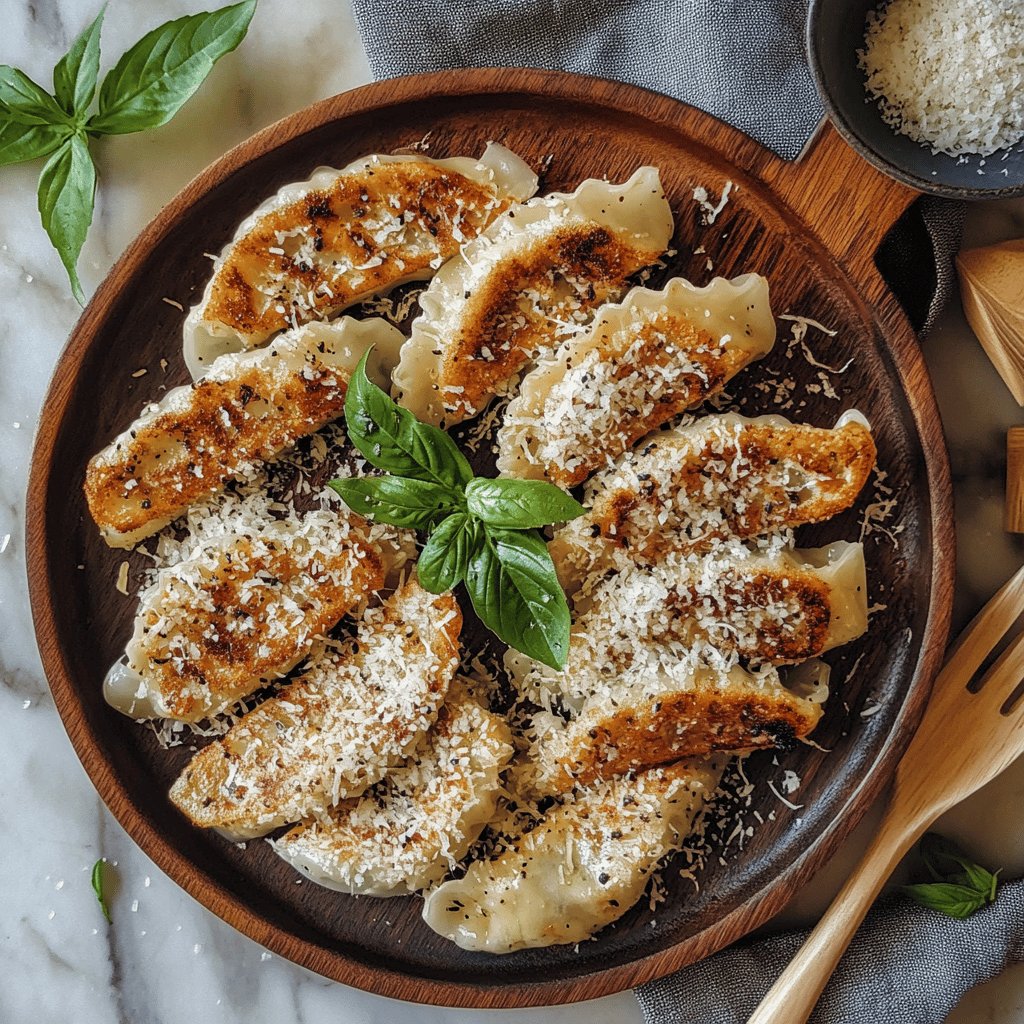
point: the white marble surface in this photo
(165, 959)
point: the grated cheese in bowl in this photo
(948, 73)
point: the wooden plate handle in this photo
(851, 205)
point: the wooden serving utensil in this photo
(987, 718)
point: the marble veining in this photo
(166, 960)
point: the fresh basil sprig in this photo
(391, 438)
(959, 886)
(481, 532)
(145, 89)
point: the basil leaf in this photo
(946, 862)
(20, 142)
(391, 438)
(512, 583)
(418, 504)
(97, 887)
(520, 504)
(74, 77)
(152, 80)
(940, 856)
(23, 101)
(444, 560)
(67, 187)
(957, 901)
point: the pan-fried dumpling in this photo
(249, 408)
(320, 245)
(414, 826)
(724, 476)
(240, 612)
(641, 362)
(334, 731)
(537, 273)
(582, 867)
(767, 609)
(676, 708)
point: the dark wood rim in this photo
(791, 182)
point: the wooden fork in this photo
(970, 732)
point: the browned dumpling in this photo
(337, 729)
(537, 274)
(321, 245)
(639, 364)
(418, 822)
(249, 408)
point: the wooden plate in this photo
(811, 228)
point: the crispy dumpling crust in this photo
(634, 730)
(333, 218)
(414, 825)
(246, 410)
(215, 627)
(539, 270)
(334, 731)
(481, 360)
(583, 865)
(724, 476)
(641, 362)
(321, 245)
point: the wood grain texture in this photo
(811, 228)
(1014, 511)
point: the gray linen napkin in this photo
(906, 965)
(743, 61)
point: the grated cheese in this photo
(948, 73)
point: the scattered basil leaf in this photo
(74, 77)
(520, 504)
(957, 901)
(959, 886)
(23, 101)
(67, 188)
(391, 438)
(945, 861)
(418, 504)
(152, 80)
(98, 888)
(512, 583)
(20, 142)
(444, 560)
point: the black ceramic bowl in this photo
(835, 31)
